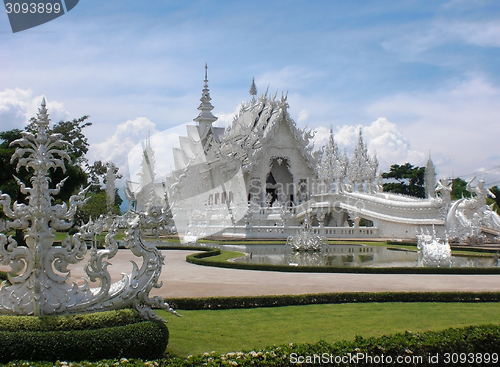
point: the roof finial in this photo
(205, 117)
(206, 75)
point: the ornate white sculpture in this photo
(433, 250)
(332, 166)
(40, 282)
(362, 169)
(467, 218)
(445, 187)
(305, 240)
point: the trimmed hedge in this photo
(198, 259)
(475, 339)
(223, 303)
(112, 334)
(482, 341)
(98, 320)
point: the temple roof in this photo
(255, 124)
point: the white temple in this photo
(260, 178)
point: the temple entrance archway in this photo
(279, 181)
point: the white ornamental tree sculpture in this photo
(40, 282)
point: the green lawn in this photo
(224, 256)
(245, 329)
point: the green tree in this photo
(8, 185)
(95, 206)
(96, 173)
(71, 131)
(496, 200)
(405, 179)
(459, 189)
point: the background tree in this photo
(496, 191)
(7, 183)
(459, 189)
(405, 179)
(71, 131)
(97, 205)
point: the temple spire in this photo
(205, 118)
(430, 178)
(253, 90)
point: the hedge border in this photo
(198, 259)
(223, 303)
(480, 340)
(138, 339)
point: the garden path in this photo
(182, 279)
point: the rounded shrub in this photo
(105, 335)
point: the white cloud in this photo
(226, 119)
(117, 147)
(384, 138)
(17, 106)
(413, 39)
(486, 34)
(303, 115)
(459, 123)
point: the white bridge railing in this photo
(285, 231)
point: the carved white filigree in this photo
(332, 166)
(432, 249)
(362, 168)
(305, 240)
(40, 282)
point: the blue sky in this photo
(417, 76)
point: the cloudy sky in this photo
(417, 76)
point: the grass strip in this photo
(223, 331)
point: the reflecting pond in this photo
(349, 255)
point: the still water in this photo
(351, 255)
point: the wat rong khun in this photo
(260, 179)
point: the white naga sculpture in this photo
(468, 218)
(39, 280)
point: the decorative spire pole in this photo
(253, 91)
(205, 119)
